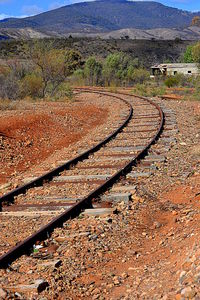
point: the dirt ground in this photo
(32, 132)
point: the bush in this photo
(9, 87)
(31, 85)
(78, 77)
(157, 91)
(171, 81)
(64, 92)
(148, 90)
(140, 76)
(140, 89)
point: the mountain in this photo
(103, 16)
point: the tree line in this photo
(117, 69)
(48, 72)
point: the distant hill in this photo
(191, 33)
(103, 16)
(22, 33)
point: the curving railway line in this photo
(81, 182)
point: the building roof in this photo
(175, 65)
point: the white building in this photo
(173, 69)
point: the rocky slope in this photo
(190, 33)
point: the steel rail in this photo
(72, 212)
(9, 197)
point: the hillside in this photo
(147, 51)
(188, 34)
(21, 33)
(191, 33)
(103, 16)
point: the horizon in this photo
(22, 9)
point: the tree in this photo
(19, 68)
(188, 55)
(111, 67)
(116, 66)
(93, 71)
(53, 65)
(196, 53)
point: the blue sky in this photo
(21, 8)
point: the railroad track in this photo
(81, 182)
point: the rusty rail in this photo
(9, 197)
(72, 212)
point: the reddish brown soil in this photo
(170, 248)
(29, 137)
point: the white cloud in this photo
(4, 16)
(31, 10)
(58, 4)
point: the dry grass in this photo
(6, 104)
(113, 89)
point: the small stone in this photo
(5, 186)
(52, 248)
(3, 294)
(156, 224)
(197, 278)
(124, 275)
(188, 292)
(60, 239)
(174, 212)
(187, 265)
(18, 295)
(116, 280)
(182, 276)
(38, 286)
(54, 263)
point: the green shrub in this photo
(31, 85)
(64, 92)
(171, 81)
(140, 76)
(140, 89)
(157, 91)
(148, 90)
(78, 77)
